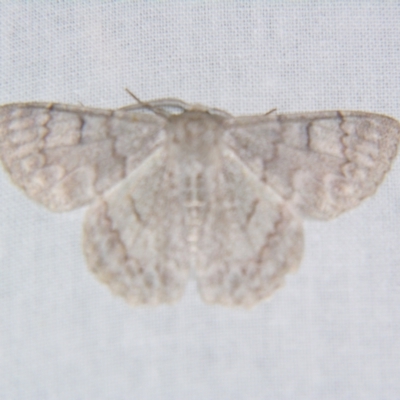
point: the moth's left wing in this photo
(134, 236)
(64, 156)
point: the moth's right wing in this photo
(64, 156)
(249, 240)
(322, 163)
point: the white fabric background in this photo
(333, 331)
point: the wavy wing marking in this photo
(324, 163)
(134, 237)
(250, 239)
(63, 156)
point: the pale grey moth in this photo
(187, 190)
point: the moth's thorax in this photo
(193, 143)
(194, 135)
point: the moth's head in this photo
(196, 123)
(195, 133)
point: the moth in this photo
(176, 190)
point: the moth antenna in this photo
(135, 97)
(155, 110)
(270, 112)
